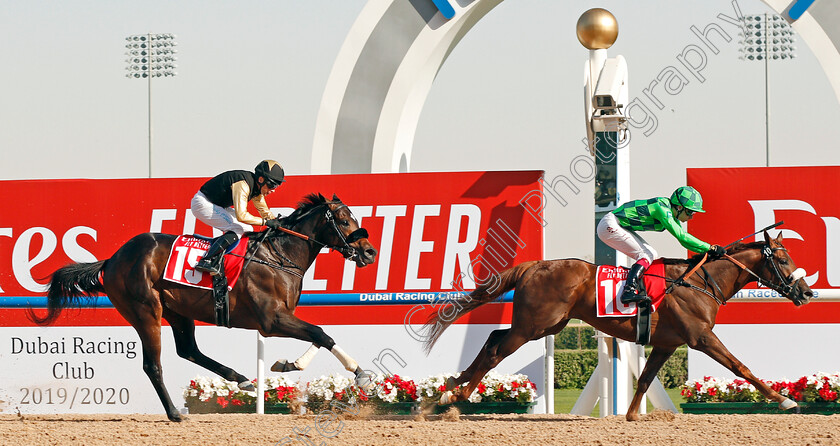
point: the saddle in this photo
(190, 248)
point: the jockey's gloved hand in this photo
(717, 251)
(274, 223)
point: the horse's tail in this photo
(449, 313)
(68, 285)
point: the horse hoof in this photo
(365, 382)
(175, 418)
(632, 417)
(450, 383)
(283, 366)
(247, 386)
(446, 397)
(787, 404)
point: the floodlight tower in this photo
(150, 55)
(765, 37)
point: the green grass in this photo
(565, 399)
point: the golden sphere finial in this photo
(597, 29)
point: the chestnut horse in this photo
(264, 298)
(550, 292)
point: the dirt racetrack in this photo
(658, 428)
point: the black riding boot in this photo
(630, 293)
(212, 260)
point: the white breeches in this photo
(621, 239)
(223, 219)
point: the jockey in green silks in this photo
(619, 230)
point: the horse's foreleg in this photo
(289, 325)
(500, 344)
(183, 330)
(654, 362)
(709, 344)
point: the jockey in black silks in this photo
(222, 203)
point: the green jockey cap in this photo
(687, 197)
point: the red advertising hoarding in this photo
(429, 228)
(740, 201)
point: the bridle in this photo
(784, 287)
(786, 284)
(349, 252)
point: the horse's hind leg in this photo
(655, 361)
(146, 320)
(500, 344)
(183, 330)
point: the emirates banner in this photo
(740, 201)
(435, 232)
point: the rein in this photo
(347, 251)
(785, 288)
(680, 281)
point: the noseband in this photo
(785, 285)
(347, 251)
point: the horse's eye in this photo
(345, 223)
(783, 262)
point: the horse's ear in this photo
(779, 238)
(766, 237)
(335, 197)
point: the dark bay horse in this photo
(549, 293)
(264, 298)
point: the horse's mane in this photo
(305, 205)
(738, 247)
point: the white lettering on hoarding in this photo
(764, 212)
(22, 264)
(310, 283)
(457, 251)
(832, 253)
(5, 232)
(159, 216)
(72, 248)
(349, 276)
(418, 246)
(389, 215)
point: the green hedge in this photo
(572, 368)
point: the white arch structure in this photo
(389, 60)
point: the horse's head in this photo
(780, 273)
(331, 224)
(342, 230)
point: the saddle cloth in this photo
(188, 250)
(611, 280)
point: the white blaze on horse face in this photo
(348, 362)
(302, 362)
(797, 274)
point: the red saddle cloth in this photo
(188, 250)
(611, 280)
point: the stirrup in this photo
(633, 297)
(212, 266)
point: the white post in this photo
(549, 374)
(605, 375)
(260, 374)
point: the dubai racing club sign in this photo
(437, 235)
